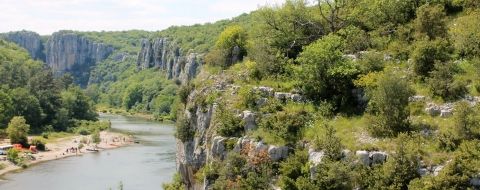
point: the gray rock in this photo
(363, 157)
(218, 147)
(351, 56)
(475, 181)
(261, 101)
(249, 119)
(296, 97)
(432, 109)
(277, 153)
(264, 91)
(377, 157)
(260, 147)
(417, 98)
(314, 158)
(436, 170)
(423, 171)
(446, 113)
(166, 55)
(70, 52)
(31, 41)
(282, 96)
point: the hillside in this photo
(366, 94)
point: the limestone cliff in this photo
(165, 55)
(31, 41)
(76, 54)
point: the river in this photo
(142, 166)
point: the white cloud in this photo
(47, 16)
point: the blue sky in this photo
(48, 16)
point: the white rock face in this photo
(417, 98)
(282, 96)
(277, 153)
(377, 157)
(249, 119)
(363, 156)
(218, 147)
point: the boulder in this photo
(432, 109)
(296, 97)
(377, 157)
(363, 156)
(475, 181)
(249, 119)
(218, 147)
(282, 96)
(261, 101)
(264, 91)
(446, 113)
(436, 170)
(417, 98)
(277, 152)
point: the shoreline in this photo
(57, 149)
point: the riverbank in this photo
(58, 148)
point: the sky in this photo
(48, 16)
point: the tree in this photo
(330, 144)
(430, 21)
(443, 84)
(28, 106)
(6, 108)
(132, 96)
(18, 131)
(399, 170)
(388, 106)
(230, 47)
(325, 74)
(467, 121)
(427, 53)
(79, 106)
(331, 11)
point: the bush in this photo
(228, 124)
(466, 121)
(184, 131)
(286, 125)
(427, 53)
(466, 35)
(443, 84)
(18, 131)
(13, 155)
(388, 107)
(430, 21)
(184, 92)
(38, 143)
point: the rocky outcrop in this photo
(76, 54)
(371, 158)
(31, 41)
(166, 55)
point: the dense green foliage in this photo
(30, 91)
(17, 131)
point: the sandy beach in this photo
(58, 148)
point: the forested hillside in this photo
(369, 94)
(30, 91)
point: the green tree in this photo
(6, 108)
(96, 137)
(430, 21)
(28, 106)
(325, 74)
(232, 44)
(330, 144)
(18, 131)
(388, 107)
(132, 96)
(79, 106)
(466, 121)
(427, 53)
(442, 82)
(399, 170)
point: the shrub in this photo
(466, 35)
(229, 125)
(466, 121)
(443, 84)
(38, 143)
(430, 21)
(286, 125)
(18, 130)
(184, 131)
(184, 92)
(13, 155)
(388, 107)
(427, 53)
